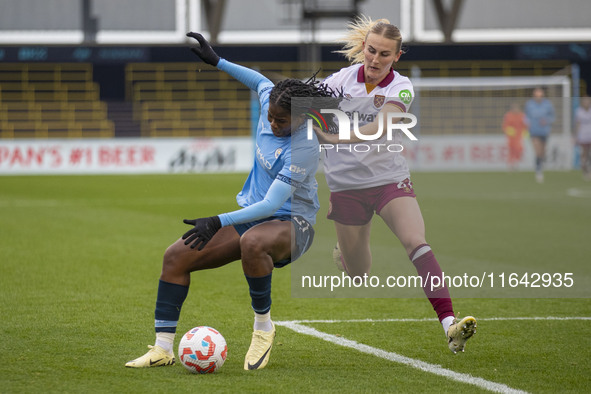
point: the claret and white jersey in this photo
(369, 164)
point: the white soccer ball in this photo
(203, 350)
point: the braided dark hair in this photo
(311, 94)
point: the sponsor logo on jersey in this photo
(296, 169)
(405, 96)
(261, 158)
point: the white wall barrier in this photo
(207, 155)
(125, 156)
(482, 153)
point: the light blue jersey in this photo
(540, 116)
(289, 161)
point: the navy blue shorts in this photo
(304, 235)
(542, 138)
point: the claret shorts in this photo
(356, 207)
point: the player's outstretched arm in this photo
(204, 51)
(248, 77)
(205, 228)
(202, 232)
(276, 196)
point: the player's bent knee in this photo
(252, 243)
(173, 260)
(413, 243)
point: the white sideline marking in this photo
(578, 193)
(296, 326)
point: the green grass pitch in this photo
(80, 258)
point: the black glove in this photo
(203, 232)
(332, 124)
(204, 51)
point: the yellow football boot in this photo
(156, 357)
(260, 349)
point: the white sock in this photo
(448, 321)
(165, 340)
(262, 321)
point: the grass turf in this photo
(81, 256)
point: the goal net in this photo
(477, 105)
(460, 121)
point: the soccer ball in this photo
(203, 350)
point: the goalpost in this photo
(460, 121)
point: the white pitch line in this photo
(433, 319)
(395, 357)
(578, 193)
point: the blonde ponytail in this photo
(357, 31)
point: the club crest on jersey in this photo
(378, 100)
(278, 152)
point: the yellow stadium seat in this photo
(43, 100)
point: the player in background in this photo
(540, 116)
(362, 183)
(515, 128)
(583, 137)
(273, 228)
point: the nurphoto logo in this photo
(394, 121)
